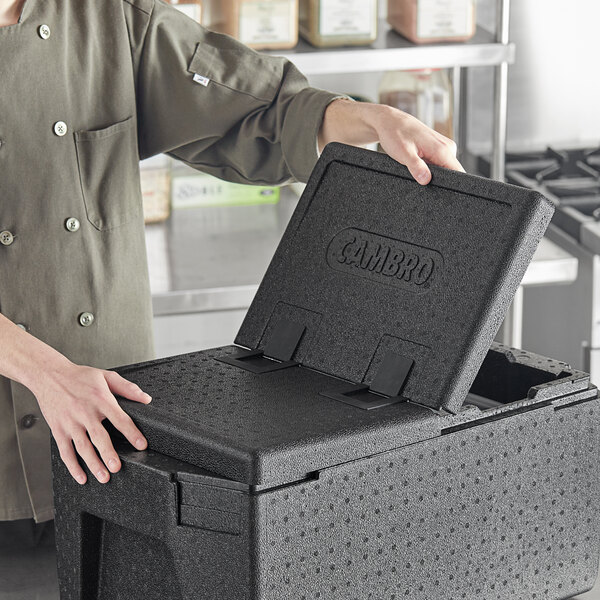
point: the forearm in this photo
(342, 113)
(255, 120)
(23, 357)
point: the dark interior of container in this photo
(503, 380)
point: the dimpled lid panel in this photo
(271, 428)
(373, 263)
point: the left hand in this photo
(401, 135)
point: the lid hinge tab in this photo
(385, 389)
(277, 353)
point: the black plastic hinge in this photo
(385, 389)
(277, 353)
(210, 507)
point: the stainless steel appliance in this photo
(564, 321)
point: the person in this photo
(88, 89)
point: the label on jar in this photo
(191, 10)
(347, 17)
(444, 18)
(267, 22)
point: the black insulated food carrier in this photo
(364, 438)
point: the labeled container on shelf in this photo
(192, 8)
(192, 189)
(425, 94)
(423, 21)
(260, 24)
(155, 182)
(364, 437)
(326, 23)
(156, 194)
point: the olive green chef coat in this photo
(87, 88)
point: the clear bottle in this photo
(260, 24)
(425, 94)
(192, 8)
(423, 21)
(326, 23)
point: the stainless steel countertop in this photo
(209, 259)
(213, 258)
(550, 265)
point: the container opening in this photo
(501, 380)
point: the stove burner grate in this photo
(574, 189)
(570, 164)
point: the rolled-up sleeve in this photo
(220, 107)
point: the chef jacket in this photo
(87, 89)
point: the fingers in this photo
(409, 155)
(74, 402)
(418, 168)
(67, 455)
(127, 389)
(101, 440)
(435, 151)
(123, 422)
(118, 417)
(442, 152)
(413, 144)
(84, 448)
(452, 163)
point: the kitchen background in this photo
(554, 87)
(211, 242)
(206, 262)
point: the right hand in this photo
(74, 401)
(401, 135)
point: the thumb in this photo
(409, 155)
(122, 387)
(418, 169)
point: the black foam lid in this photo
(380, 280)
(374, 265)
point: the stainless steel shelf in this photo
(212, 259)
(393, 52)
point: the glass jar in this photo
(156, 194)
(423, 21)
(192, 8)
(339, 22)
(260, 24)
(425, 94)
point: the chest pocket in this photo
(108, 170)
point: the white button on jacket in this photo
(118, 86)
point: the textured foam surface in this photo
(257, 487)
(372, 262)
(261, 429)
(273, 428)
(127, 540)
(502, 510)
